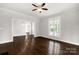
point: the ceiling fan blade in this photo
(43, 4)
(34, 5)
(44, 8)
(34, 9)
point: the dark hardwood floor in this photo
(23, 45)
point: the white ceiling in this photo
(26, 8)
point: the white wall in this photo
(11, 24)
(5, 27)
(69, 26)
(19, 26)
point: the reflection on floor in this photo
(40, 46)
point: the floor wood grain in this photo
(30, 45)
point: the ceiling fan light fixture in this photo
(39, 7)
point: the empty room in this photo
(39, 29)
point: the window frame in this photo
(58, 18)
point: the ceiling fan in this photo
(39, 7)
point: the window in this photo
(54, 26)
